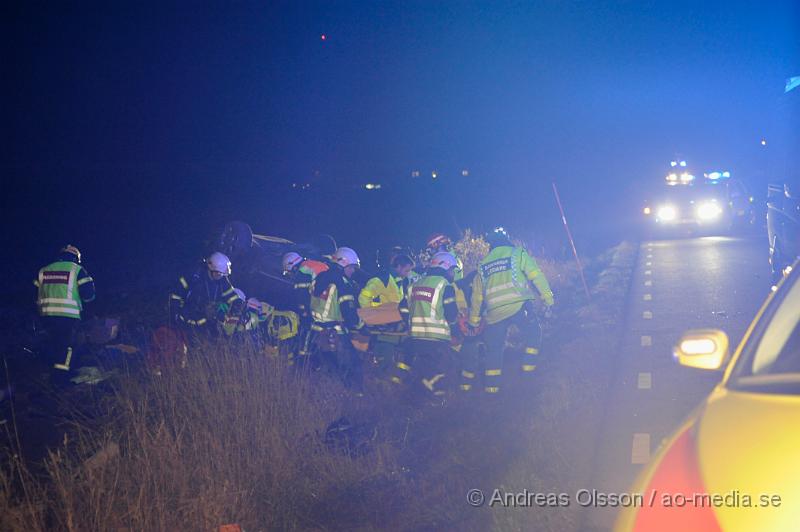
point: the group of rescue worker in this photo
(425, 327)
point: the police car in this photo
(713, 203)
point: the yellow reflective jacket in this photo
(381, 289)
(502, 285)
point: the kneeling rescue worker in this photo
(502, 295)
(202, 298)
(63, 288)
(433, 309)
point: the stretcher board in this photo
(382, 315)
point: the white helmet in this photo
(69, 248)
(291, 260)
(219, 263)
(346, 257)
(444, 260)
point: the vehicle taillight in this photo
(674, 498)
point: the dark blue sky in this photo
(120, 121)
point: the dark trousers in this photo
(333, 352)
(59, 352)
(496, 337)
(423, 366)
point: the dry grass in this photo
(232, 438)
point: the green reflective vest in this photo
(58, 290)
(459, 273)
(426, 304)
(503, 278)
(325, 307)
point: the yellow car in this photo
(735, 463)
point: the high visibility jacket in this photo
(333, 301)
(60, 285)
(313, 267)
(381, 289)
(502, 284)
(459, 273)
(301, 289)
(432, 305)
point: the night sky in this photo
(133, 130)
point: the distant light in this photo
(686, 178)
(726, 174)
(667, 213)
(415, 173)
(763, 142)
(683, 163)
(434, 174)
(672, 177)
(673, 164)
(709, 210)
(372, 186)
(714, 175)
(323, 37)
(647, 210)
(465, 172)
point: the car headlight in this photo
(709, 210)
(667, 213)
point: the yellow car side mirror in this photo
(702, 348)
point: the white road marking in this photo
(647, 315)
(640, 449)
(649, 255)
(647, 341)
(647, 297)
(648, 282)
(648, 272)
(645, 381)
(649, 263)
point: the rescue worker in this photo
(502, 295)
(433, 310)
(302, 272)
(63, 286)
(389, 287)
(201, 299)
(441, 242)
(334, 313)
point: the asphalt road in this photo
(716, 282)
